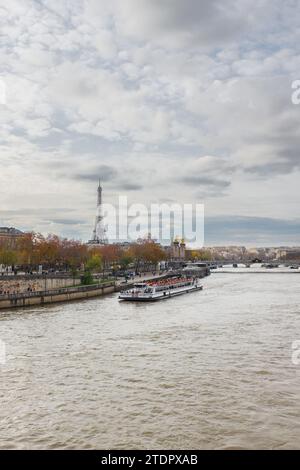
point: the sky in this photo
(165, 100)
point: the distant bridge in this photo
(245, 263)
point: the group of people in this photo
(168, 282)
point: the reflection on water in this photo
(210, 369)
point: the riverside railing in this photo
(62, 290)
(32, 276)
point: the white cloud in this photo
(158, 91)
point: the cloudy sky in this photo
(165, 100)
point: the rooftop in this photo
(10, 231)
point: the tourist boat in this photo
(161, 289)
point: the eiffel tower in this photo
(99, 233)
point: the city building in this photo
(291, 255)
(177, 250)
(9, 236)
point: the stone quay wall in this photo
(23, 284)
(55, 295)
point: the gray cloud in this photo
(256, 231)
(129, 187)
(176, 23)
(67, 221)
(205, 181)
(104, 172)
(33, 211)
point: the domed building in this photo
(178, 248)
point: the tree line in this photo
(53, 252)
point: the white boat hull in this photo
(164, 295)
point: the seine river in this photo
(212, 369)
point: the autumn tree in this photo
(28, 247)
(8, 257)
(110, 255)
(200, 255)
(73, 254)
(94, 263)
(49, 250)
(126, 259)
(147, 253)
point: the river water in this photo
(211, 369)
